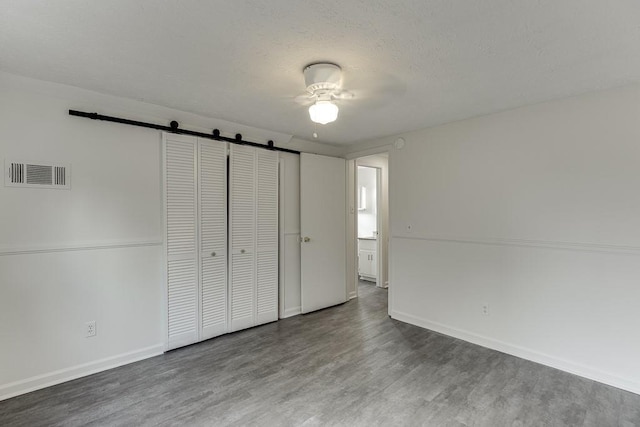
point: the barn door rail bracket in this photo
(174, 127)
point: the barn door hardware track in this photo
(174, 128)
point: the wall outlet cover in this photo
(90, 329)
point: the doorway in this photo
(368, 220)
(370, 233)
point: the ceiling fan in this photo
(324, 86)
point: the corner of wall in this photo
(315, 147)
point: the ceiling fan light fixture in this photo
(323, 112)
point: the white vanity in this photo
(367, 258)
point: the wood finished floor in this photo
(349, 365)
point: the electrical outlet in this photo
(485, 309)
(90, 329)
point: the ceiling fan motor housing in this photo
(322, 77)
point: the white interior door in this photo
(213, 237)
(242, 227)
(267, 236)
(323, 231)
(181, 239)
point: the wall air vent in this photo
(36, 175)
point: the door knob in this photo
(307, 239)
(213, 254)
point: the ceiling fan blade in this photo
(304, 99)
(343, 95)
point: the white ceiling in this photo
(411, 63)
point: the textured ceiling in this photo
(411, 64)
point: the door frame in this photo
(378, 223)
(352, 224)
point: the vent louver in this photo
(60, 174)
(17, 173)
(37, 175)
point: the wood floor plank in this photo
(349, 365)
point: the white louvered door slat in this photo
(181, 223)
(222, 238)
(267, 236)
(242, 226)
(213, 237)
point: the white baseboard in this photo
(353, 295)
(290, 312)
(63, 375)
(524, 353)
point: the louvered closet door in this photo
(267, 236)
(242, 227)
(213, 237)
(182, 259)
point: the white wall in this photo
(68, 257)
(534, 211)
(314, 147)
(91, 253)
